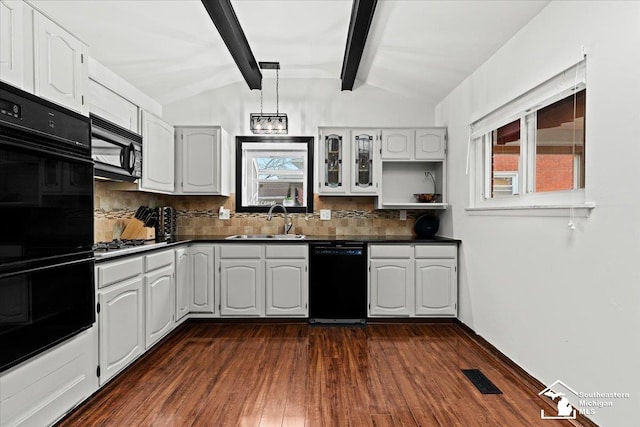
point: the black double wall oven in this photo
(46, 214)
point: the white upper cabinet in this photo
(430, 144)
(202, 161)
(335, 156)
(11, 42)
(349, 162)
(397, 143)
(113, 107)
(61, 71)
(365, 164)
(158, 155)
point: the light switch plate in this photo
(325, 214)
(403, 215)
(225, 214)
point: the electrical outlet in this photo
(403, 215)
(224, 214)
(325, 214)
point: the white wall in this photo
(564, 305)
(309, 103)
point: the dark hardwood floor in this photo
(212, 374)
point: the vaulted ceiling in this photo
(171, 50)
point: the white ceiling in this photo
(171, 50)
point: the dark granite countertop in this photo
(185, 239)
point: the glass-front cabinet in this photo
(363, 174)
(349, 162)
(334, 161)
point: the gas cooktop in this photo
(118, 247)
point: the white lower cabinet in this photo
(42, 390)
(159, 295)
(121, 320)
(390, 287)
(183, 282)
(202, 262)
(264, 280)
(120, 314)
(413, 280)
(286, 287)
(436, 287)
(241, 287)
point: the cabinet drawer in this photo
(390, 251)
(436, 251)
(117, 271)
(287, 251)
(240, 251)
(157, 260)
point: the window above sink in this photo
(274, 169)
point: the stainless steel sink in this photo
(266, 237)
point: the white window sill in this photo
(580, 210)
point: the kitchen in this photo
(553, 299)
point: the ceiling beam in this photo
(226, 21)
(361, 17)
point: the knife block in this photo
(135, 229)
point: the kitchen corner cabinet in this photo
(113, 107)
(11, 42)
(159, 295)
(203, 157)
(201, 284)
(60, 64)
(158, 155)
(120, 314)
(413, 280)
(183, 282)
(349, 162)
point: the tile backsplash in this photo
(198, 215)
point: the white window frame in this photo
(523, 108)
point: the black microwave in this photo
(116, 151)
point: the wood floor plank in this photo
(381, 375)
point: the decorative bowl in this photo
(426, 197)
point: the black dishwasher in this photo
(338, 282)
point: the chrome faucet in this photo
(288, 223)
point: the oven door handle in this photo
(47, 153)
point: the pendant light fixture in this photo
(269, 123)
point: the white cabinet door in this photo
(200, 160)
(286, 287)
(159, 292)
(436, 287)
(365, 162)
(11, 42)
(183, 282)
(202, 280)
(391, 285)
(241, 287)
(335, 162)
(397, 144)
(430, 144)
(111, 106)
(121, 321)
(61, 71)
(157, 155)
